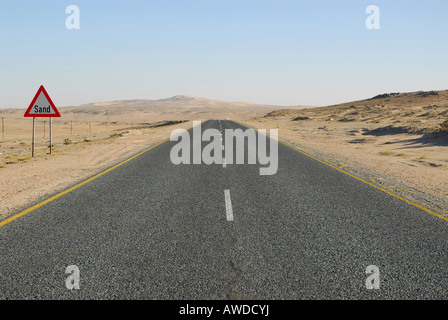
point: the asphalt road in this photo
(150, 229)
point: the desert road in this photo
(149, 229)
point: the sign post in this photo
(51, 135)
(34, 132)
(42, 106)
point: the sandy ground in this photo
(25, 180)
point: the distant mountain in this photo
(179, 107)
(173, 101)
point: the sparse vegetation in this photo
(385, 153)
(342, 165)
(444, 126)
(376, 180)
(300, 118)
(115, 135)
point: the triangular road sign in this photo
(42, 106)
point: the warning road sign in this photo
(42, 106)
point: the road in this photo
(150, 229)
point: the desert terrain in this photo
(90, 138)
(398, 141)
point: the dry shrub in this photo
(444, 126)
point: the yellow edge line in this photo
(2, 223)
(357, 178)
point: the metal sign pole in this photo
(34, 130)
(51, 134)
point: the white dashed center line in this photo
(229, 211)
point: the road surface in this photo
(150, 229)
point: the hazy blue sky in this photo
(285, 52)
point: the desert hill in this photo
(412, 112)
(109, 116)
(175, 108)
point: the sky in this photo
(278, 52)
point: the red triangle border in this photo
(42, 89)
